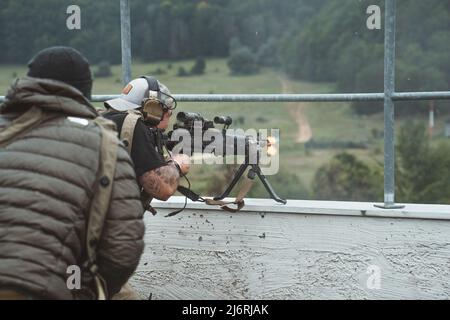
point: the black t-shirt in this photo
(144, 151)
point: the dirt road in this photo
(296, 109)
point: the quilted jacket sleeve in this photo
(122, 242)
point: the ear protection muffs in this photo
(152, 106)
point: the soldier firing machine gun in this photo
(194, 121)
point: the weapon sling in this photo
(224, 205)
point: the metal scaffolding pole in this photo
(319, 97)
(125, 27)
(389, 91)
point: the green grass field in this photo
(328, 121)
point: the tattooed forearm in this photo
(169, 174)
(161, 183)
(150, 186)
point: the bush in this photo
(199, 67)
(240, 120)
(182, 72)
(422, 167)
(347, 178)
(286, 184)
(260, 119)
(103, 70)
(242, 61)
(334, 144)
(158, 72)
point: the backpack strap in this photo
(127, 132)
(101, 201)
(126, 135)
(26, 122)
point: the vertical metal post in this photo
(389, 121)
(125, 26)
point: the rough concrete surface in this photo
(210, 254)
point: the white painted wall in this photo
(211, 254)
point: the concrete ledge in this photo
(336, 208)
(304, 250)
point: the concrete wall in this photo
(336, 251)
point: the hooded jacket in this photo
(47, 182)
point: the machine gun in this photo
(190, 122)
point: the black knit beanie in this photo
(64, 64)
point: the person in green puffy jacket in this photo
(48, 182)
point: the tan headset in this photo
(153, 107)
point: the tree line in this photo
(161, 29)
(313, 40)
(336, 46)
(422, 172)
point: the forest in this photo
(317, 40)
